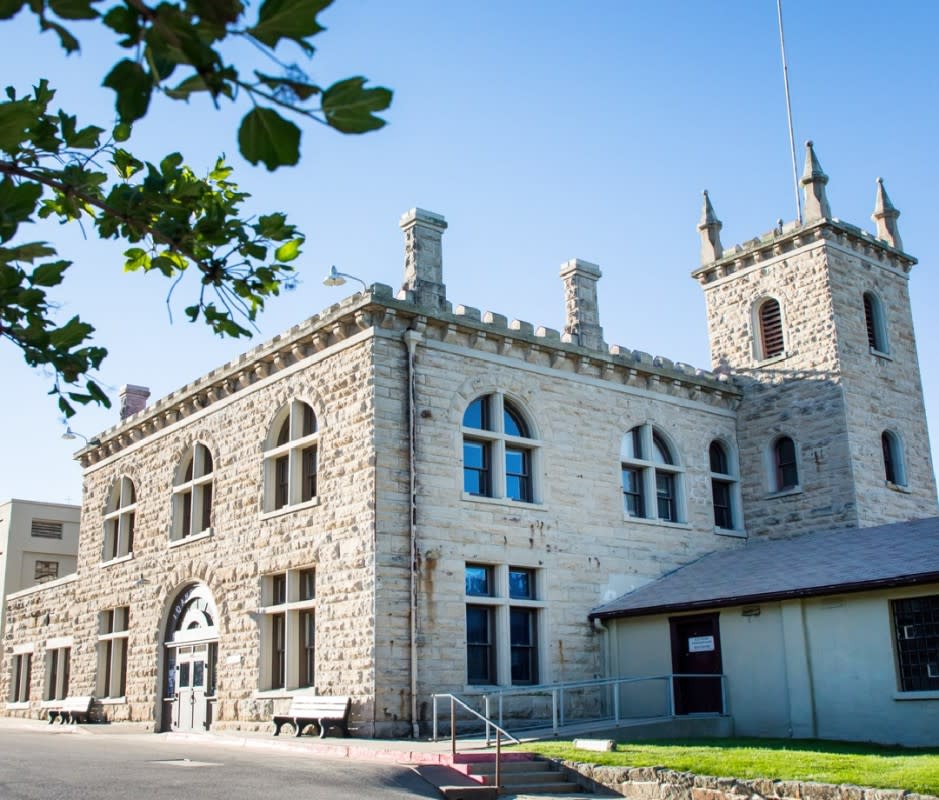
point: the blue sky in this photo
(542, 131)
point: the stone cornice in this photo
(794, 236)
(379, 308)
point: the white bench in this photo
(72, 709)
(323, 712)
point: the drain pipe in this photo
(411, 339)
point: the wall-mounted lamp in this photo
(70, 434)
(337, 278)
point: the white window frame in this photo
(294, 449)
(496, 441)
(731, 479)
(119, 521)
(293, 608)
(501, 605)
(196, 489)
(647, 468)
(113, 638)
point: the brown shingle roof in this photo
(826, 562)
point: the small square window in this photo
(521, 583)
(478, 580)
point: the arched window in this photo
(192, 493)
(291, 457)
(120, 513)
(651, 476)
(894, 466)
(785, 464)
(499, 451)
(723, 487)
(874, 320)
(769, 316)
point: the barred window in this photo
(46, 529)
(916, 627)
(45, 571)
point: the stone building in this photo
(400, 496)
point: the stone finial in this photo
(133, 399)
(885, 216)
(814, 179)
(709, 227)
(423, 258)
(582, 311)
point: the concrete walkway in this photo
(429, 759)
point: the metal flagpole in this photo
(792, 140)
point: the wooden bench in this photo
(323, 712)
(72, 709)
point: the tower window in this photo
(894, 470)
(785, 464)
(771, 330)
(874, 320)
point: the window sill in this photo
(118, 560)
(656, 521)
(929, 695)
(50, 703)
(784, 492)
(113, 701)
(196, 537)
(17, 706)
(503, 501)
(765, 362)
(276, 694)
(881, 354)
(279, 512)
(738, 533)
(897, 487)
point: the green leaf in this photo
(349, 106)
(28, 252)
(288, 251)
(73, 9)
(194, 83)
(71, 334)
(50, 274)
(69, 43)
(288, 19)
(300, 89)
(121, 19)
(133, 87)
(17, 204)
(15, 118)
(266, 136)
(9, 8)
(121, 132)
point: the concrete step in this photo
(489, 768)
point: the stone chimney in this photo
(709, 227)
(133, 399)
(815, 200)
(582, 311)
(423, 259)
(885, 215)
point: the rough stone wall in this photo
(798, 394)
(657, 783)
(578, 538)
(333, 534)
(882, 392)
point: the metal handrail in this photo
(454, 701)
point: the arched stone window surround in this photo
(193, 493)
(894, 458)
(652, 475)
(501, 449)
(769, 328)
(783, 464)
(725, 486)
(120, 517)
(291, 457)
(875, 323)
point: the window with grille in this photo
(288, 629)
(45, 571)
(874, 322)
(291, 457)
(113, 634)
(192, 493)
(723, 487)
(916, 628)
(58, 665)
(771, 329)
(120, 515)
(651, 475)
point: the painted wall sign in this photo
(700, 644)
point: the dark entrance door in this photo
(696, 653)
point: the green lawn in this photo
(916, 770)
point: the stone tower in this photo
(813, 321)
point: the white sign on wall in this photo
(700, 644)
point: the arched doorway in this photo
(191, 651)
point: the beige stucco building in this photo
(399, 497)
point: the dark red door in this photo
(696, 651)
